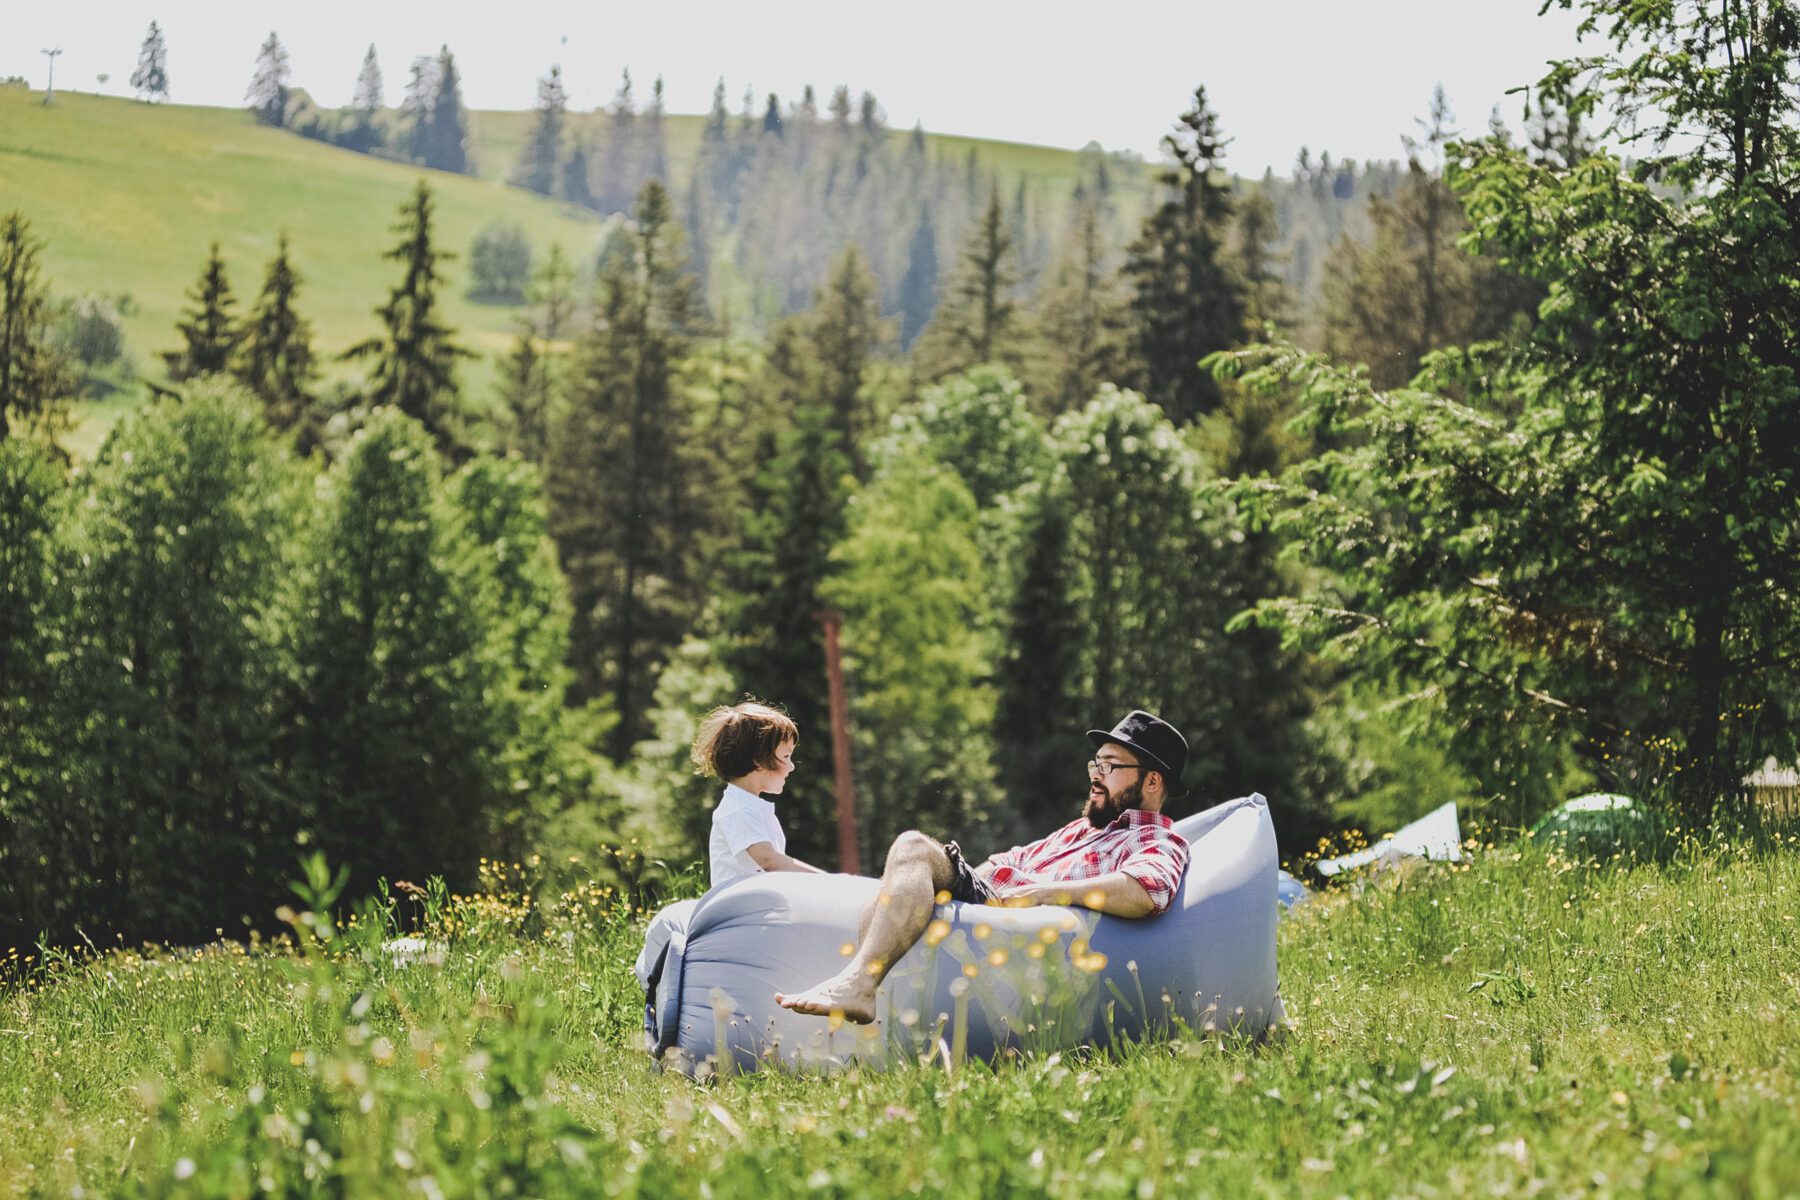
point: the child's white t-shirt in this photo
(741, 820)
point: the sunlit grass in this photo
(1521, 1022)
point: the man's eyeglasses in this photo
(1103, 768)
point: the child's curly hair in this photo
(734, 741)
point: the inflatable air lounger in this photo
(984, 980)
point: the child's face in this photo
(776, 776)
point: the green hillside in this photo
(127, 197)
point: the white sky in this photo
(1333, 75)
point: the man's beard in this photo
(1102, 811)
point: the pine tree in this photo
(151, 78)
(622, 506)
(845, 328)
(577, 173)
(447, 144)
(1080, 320)
(919, 287)
(35, 382)
(1254, 231)
(977, 321)
(274, 354)
(654, 137)
(1411, 288)
(364, 134)
(532, 383)
(267, 95)
(771, 122)
(619, 157)
(1185, 300)
(415, 359)
(208, 329)
(774, 644)
(416, 107)
(537, 167)
(1038, 718)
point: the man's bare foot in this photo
(850, 997)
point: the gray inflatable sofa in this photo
(984, 981)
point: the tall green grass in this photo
(1520, 1023)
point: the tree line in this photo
(1535, 538)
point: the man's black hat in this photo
(1158, 743)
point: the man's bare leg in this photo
(917, 870)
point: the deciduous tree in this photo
(1600, 536)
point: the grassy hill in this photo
(1518, 1024)
(126, 198)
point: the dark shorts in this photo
(965, 885)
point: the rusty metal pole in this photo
(848, 858)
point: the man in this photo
(1122, 856)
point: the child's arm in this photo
(766, 856)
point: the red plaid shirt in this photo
(1144, 845)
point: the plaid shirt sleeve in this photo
(1158, 858)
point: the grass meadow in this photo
(1520, 1023)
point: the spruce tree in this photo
(774, 644)
(1080, 319)
(1186, 301)
(35, 382)
(538, 162)
(416, 356)
(209, 332)
(447, 143)
(151, 78)
(619, 157)
(1411, 288)
(621, 475)
(267, 95)
(977, 321)
(364, 134)
(919, 286)
(577, 172)
(1038, 717)
(654, 152)
(532, 382)
(416, 107)
(845, 327)
(274, 354)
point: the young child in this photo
(751, 747)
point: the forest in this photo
(1464, 477)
